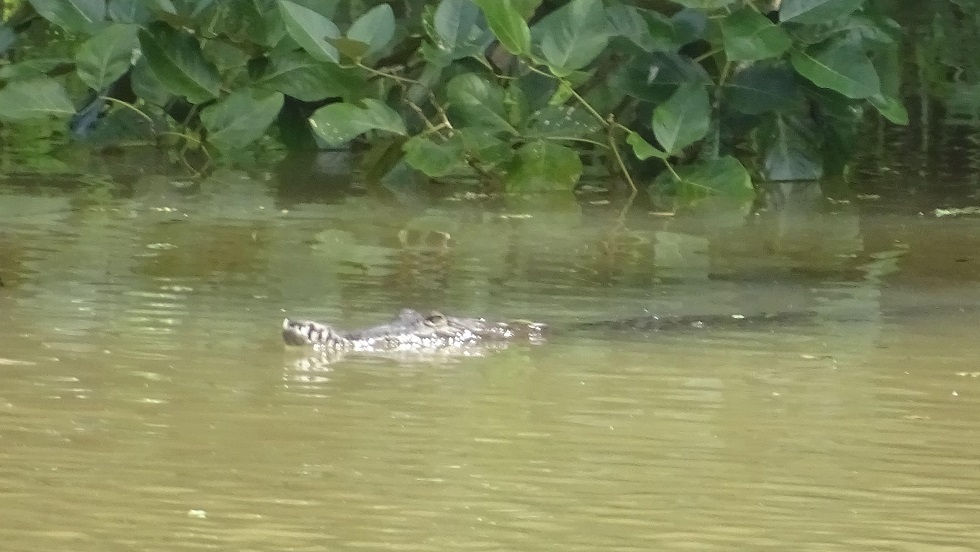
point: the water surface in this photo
(146, 402)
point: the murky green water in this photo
(147, 404)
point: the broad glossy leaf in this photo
(722, 177)
(560, 122)
(791, 149)
(147, 86)
(298, 75)
(339, 123)
(816, 11)
(326, 8)
(683, 119)
(164, 6)
(33, 68)
(461, 29)
(642, 149)
(228, 58)
(841, 66)
(542, 166)
(176, 60)
(761, 88)
(32, 99)
(704, 4)
(873, 28)
(476, 101)
(507, 24)
(484, 146)
(689, 25)
(656, 76)
(647, 29)
(573, 35)
(187, 10)
(375, 28)
(886, 60)
(348, 48)
(891, 108)
(106, 56)
(435, 159)
(129, 11)
(749, 36)
(310, 30)
(241, 118)
(75, 16)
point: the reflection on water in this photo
(146, 403)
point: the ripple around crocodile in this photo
(411, 331)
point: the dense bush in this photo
(522, 94)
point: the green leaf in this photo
(891, 108)
(559, 122)
(351, 49)
(655, 77)
(310, 30)
(475, 101)
(542, 166)
(326, 8)
(507, 25)
(74, 16)
(791, 149)
(704, 4)
(484, 146)
(129, 11)
(34, 68)
(749, 36)
(33, 99)
(647, 29)
(147, 86)
(461, 28)
(435, 159)
(761, 88)
(725, 177)
(816, 11)
(573, 35)
(458, 31)
(338, 123)
(690, 25)
(105, 57)
(298, 75)
(241, 118)
(375, 28)
(841, 66)
(642, 149)
(185, 10)
(175, 58)
(683, 119)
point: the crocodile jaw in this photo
(305, 332)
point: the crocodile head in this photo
(307, 332)
(410, 331)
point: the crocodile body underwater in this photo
(412, 331)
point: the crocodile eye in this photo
(436, 319)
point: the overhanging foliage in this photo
(524, 94)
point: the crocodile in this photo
(412, 331)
